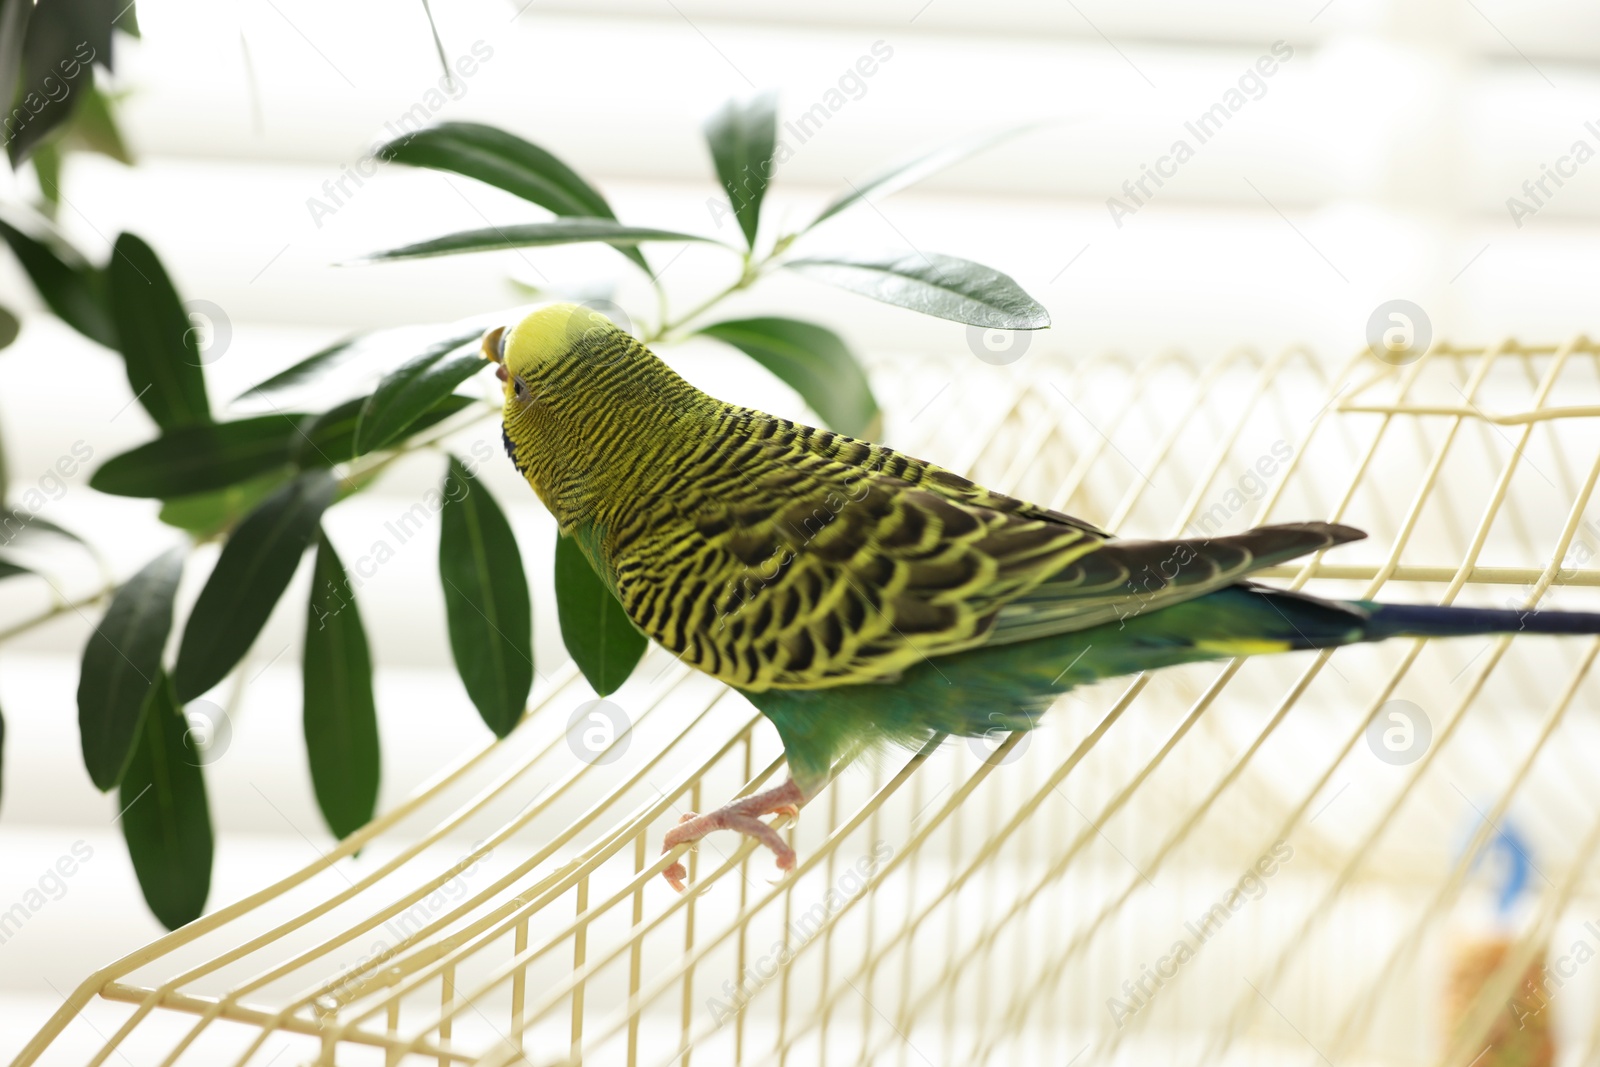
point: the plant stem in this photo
(752, 272)
(59, 608)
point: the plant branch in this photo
(753, 270)
(61, 607)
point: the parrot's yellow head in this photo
(542, 341)
(583, 400)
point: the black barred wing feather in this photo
(792, 569)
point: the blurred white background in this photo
(1375, 163)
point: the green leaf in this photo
(90, 23)
(120, 663)
(13, 29)
(814, 361)
(340, 715)
(46, 160)
(94, 125)
(942, 286)
(742, 139)
(308, 369)
(326, 359)
(19, 522)
(165, 818)
(486, 601)
(595, 629)
(536, 234)
(157, 337)
(502, 160)
(197, 459)
(911, 171)
(409, 390)
(330, 438)
(438, 46)
(11, 570)
(209, 514)
(255, 566)
(9, 328)
(71, 288)
(63, 38)
(507, 162)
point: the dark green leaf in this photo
(63, 39)
(9, 569)
(308, 369)
(69, 286)
(535, 234)
(9, 328)
(197, 459)
(208, 514)
(32, 523)
(381, 342)
(91, 23)
(911, 171)
(255, 566)
(18, 522)
(504, 161)
(158, 339)
(813, 360)
(942, 286)
(340, 716)
(743, 137)
(595, 629)
(409, 390)
(486, 601)
(438, 46)
(330, 438)
(120, 663)
(165, 818)
(13, 29)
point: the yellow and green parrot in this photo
(858, 596)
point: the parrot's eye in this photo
(520, 389)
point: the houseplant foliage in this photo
(49, 51)
(259, 486)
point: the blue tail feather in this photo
(1430, 620)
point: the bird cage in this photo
(1275, 859)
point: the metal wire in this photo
(973, 903)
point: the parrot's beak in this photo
(494, 350)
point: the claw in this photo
(742, 816)
(675, 875)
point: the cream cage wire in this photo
(1227, 862)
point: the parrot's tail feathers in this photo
(1428, 620)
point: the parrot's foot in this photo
(742, 815)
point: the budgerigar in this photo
(858, 596)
